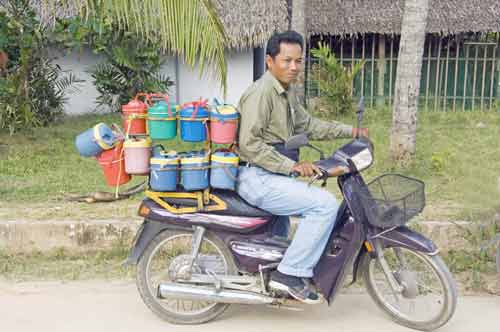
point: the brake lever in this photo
(314, 178)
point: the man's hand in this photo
(363, 132)
(306, 168)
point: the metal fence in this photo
(459, 72)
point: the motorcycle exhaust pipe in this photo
(197, 293)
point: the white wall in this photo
(240, 76)
(190, 85)
(82, 101)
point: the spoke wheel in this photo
(166, 260)
(429, 295)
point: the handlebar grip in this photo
(295, 174)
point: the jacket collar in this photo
(276, 84)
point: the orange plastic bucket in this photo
(112, 163)
(134, 116)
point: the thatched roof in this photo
(247, 23)
(347, 17)
(252, 22)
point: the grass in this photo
(61, 264)
(456, 157)
(474, 272)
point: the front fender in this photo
(407, 238)
(146, 233)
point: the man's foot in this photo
(294, 286)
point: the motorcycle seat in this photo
(236, 206)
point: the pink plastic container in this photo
(137, 155)
(223, 124)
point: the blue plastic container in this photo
(193, 118)
(194, 170)
(164, 172)
(224, 170)
(95, 140)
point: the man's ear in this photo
(269, 61)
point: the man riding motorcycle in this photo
(270, 114)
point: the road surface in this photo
(115, 306)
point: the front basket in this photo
(392, 200)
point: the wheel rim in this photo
(424, 298)
(158, 269)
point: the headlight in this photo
(363, 159)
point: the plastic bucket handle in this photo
(196, 105)
(159, 95)
(142, 94)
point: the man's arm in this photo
(255, 111)
(317, 129)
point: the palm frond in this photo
(188, 28)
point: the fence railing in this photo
(458, 72)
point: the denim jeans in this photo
(281, 226)
(285, 196)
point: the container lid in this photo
(165, 161)
(104, 136)
(170, 157)
(224, 109)
(135, 105)
(194, 157)
(138, 143)
(161, 107)
(188, 109)
(225, 157)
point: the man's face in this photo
(287, 64)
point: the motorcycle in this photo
(191, 267)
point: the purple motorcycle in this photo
(191, 267)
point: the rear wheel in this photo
(429, 295)
(165, 258)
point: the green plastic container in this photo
(162, 120)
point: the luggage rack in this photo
(205, 201)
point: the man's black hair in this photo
(289, 37)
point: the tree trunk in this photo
(408, 73)
(298, 23)
(381, 70)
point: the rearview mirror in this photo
(296, 141)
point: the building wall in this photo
(189, 86)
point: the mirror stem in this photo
(321, 154)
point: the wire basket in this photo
(392, 200)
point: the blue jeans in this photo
(284, 196)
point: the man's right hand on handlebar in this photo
(306, 168)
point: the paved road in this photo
(115, 306)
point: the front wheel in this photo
(429, 295)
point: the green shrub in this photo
(335, 82)
(33, 89)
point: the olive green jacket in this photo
(270, 115)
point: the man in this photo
(270, 114)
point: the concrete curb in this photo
(75, 235)
(24, 236)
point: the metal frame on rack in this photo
(204, 199)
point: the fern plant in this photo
(335, 81)
(131, 64)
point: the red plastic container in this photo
(134, 116)
(223, 132)
(112, 163)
